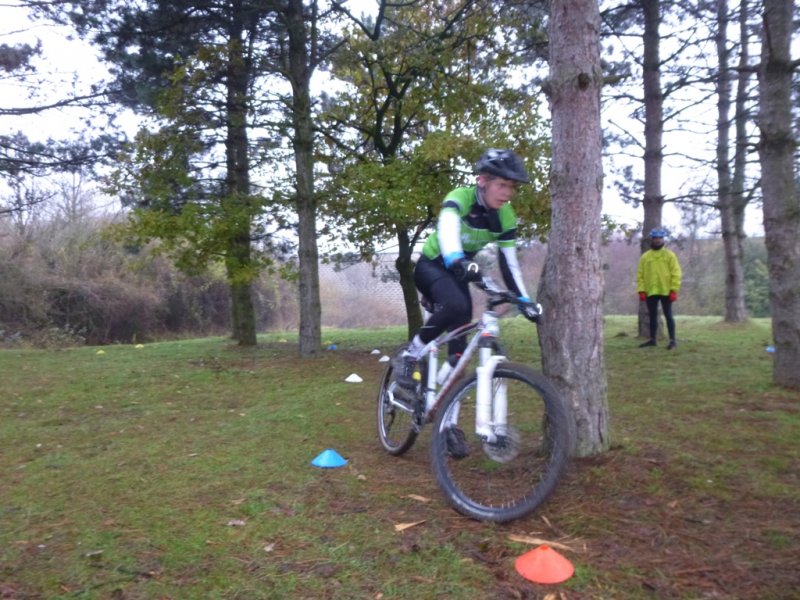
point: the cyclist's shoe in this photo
(671, 345)
(647, 344)
(456, 442)
(404, 366)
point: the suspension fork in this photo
(491, 404)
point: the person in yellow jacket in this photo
(658, 281)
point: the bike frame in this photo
(492, 408)
(491, 419)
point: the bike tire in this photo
(509, 480)
(397, 428)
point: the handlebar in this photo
(497, 296)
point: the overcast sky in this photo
(69, 62)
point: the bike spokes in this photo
(509, 474)
(398, 417)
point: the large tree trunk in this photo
(237, 203)
(571, 288)
(653, 201)
(732, 233)
(303, 142)
(742, 119)
(243, 316)
(405, 267)
(739, 196)
(781, 204)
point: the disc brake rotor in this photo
(506, 448)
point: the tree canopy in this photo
(426, 90)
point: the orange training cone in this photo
(544, 565)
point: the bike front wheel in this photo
(510, 474)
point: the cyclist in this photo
(470, 218)
(658, 281)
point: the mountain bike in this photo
(516, 433)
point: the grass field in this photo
(182, 470)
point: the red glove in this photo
(642, 296)
(673, 296)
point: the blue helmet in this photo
(658, 233)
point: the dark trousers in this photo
(451, 298)
(652, 310)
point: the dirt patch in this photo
(624, 536)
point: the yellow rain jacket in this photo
(659, 273)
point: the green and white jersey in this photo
(466, 226)
(475, 227)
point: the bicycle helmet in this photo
(658, 233)
(502, 163)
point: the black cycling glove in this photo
(466, 270)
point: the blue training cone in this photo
(329, 459)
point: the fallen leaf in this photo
(237, 523)
(404, 526)
(420, 498)
(525, 539)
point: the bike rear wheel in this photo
(511, 477)
(397, 418)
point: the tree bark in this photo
(732, 232)
(300, 71)
(571, 287)
(742, 118)
(405, 267)
(653, 201)
(781, 204)
(238, 258)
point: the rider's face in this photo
(496, 190)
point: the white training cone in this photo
(376, 351)
(384, 358)
(353, 378)
(329, 459)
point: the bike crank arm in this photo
(399, 403)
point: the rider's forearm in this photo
(448, 229)
(512, 273)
